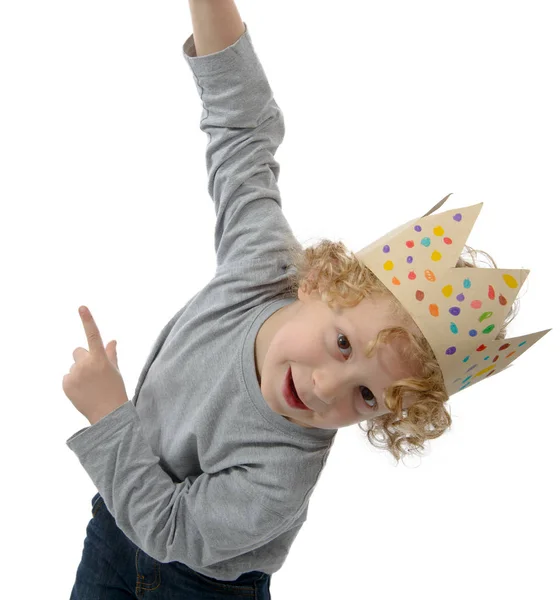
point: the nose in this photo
(327, 385)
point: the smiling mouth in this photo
(290, 389)
(293, 387)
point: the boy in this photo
(205, 477)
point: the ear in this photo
(306, 296)
(302, 295)
(311, 281)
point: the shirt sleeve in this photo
(245, 127)
(200, 521)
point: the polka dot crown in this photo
(459, 310)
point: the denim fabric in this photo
(113, 568)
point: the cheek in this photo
(294, 340)
(281, 343)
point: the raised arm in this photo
(216, 25)
(244, 127)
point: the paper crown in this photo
(460, 311)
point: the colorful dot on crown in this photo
(396, 281)
(485, 370)
(466, 358)
(451, 350)
(481, 348)
(457, 217)
(436, 255)
(491, 292)
(409, 259)
(476, 304)
(419, 295)
(388, 266)
(496, 358)
(412, 275)
(448, 241)
(471, 368)
(467, 378)
(522, 343)
(410, 244)
(434, 310)
(425, 241)
(510, 354)
(488, 329)
(455, 310)
(454, 328)
(503, 347)
(484, 316)
(503, 301)
(473, 333)
(467, 283)
(438, 230)
(386, 248)
(417, 228)
(465, 386)
(460, 297)
(510, 281)
(430, 276)
(447, 290)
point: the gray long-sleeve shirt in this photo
(197, 468)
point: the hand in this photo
(94, 384)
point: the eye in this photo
(343, 337)
(369, 396)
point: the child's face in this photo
(324, 348)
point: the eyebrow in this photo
(353, 333)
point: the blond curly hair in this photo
(342, 280)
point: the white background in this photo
(388, 106)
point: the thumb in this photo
(111, 350)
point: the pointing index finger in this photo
(92, 332)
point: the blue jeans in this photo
(113, 568)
